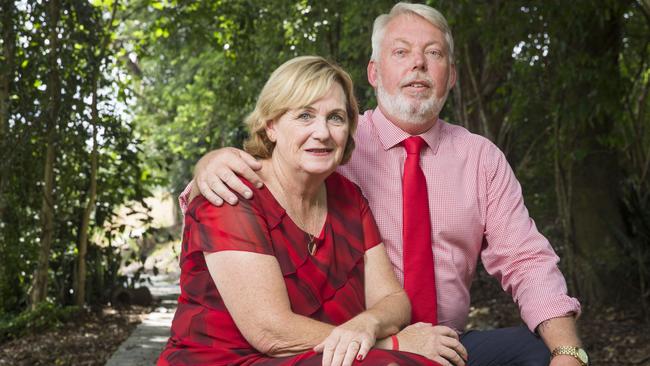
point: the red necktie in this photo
(419, 277)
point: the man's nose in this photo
(419, 61)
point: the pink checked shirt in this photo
(476, 208)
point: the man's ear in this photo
(452, 76)
(372, 73)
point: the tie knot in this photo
(413, 144)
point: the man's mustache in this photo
(417, 77)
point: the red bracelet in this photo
(395, 342)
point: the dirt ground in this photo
(87, 340)
(611, 336)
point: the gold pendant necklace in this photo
(311, 245)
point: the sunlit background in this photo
(105, 106)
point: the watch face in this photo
(583, 356)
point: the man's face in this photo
(413, 74)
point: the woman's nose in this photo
(321, 129)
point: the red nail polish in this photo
(359, 358)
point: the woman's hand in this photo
(349, 341)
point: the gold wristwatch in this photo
(576, 352)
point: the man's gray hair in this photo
(430, 14)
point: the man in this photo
(474, 206)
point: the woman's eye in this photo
(337, 118)
(304, 116)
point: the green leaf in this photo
(102, 3)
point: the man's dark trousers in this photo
(505, 346)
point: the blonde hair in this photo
(429, 14)
(296, 83)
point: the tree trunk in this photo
(82, 245)
(562, 173)
(596, 175)
(39, 286)
(8, 60)
(80, 291)
(6, 78)
(484, 125)
(460, 110)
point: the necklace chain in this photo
(311, 242)
(311, 245)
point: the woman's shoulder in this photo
(339, 183)
(261, 203)
(342, 192)
(244, 226)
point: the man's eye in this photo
(400, 52)
(435, 53)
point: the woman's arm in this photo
(253, 290)
(388, 310)
(386, 300)
(438, 343)
(258, 302)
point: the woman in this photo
(297, 275)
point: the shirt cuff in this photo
(563, 306)
(183, 199)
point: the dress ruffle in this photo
(321, 276)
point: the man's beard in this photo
(407, 110)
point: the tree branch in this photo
(644, 7)
(481, 111)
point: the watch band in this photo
(576, 352)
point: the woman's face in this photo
(312, 138)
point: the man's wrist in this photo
(395, 342)
(560, 331)
(577, 353)
(384, 343)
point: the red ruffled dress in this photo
(327, 286)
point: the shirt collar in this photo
(391, 135)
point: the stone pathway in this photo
(147, 341)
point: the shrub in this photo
(46, 316)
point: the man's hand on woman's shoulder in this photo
(217, 173)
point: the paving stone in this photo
(147, 341)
